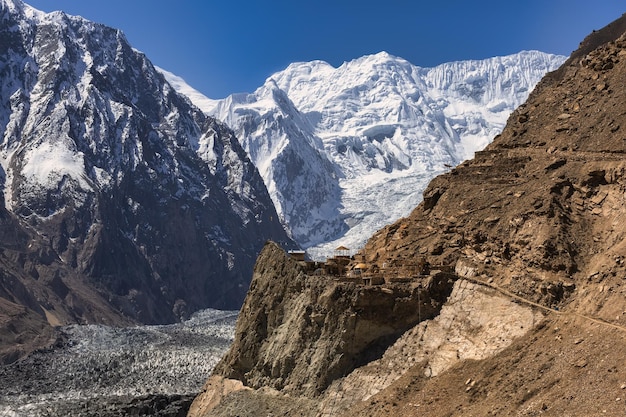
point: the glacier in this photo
(93, 368)
(346, 150)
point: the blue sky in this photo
(229, 46)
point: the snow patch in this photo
(50, 162)
(180, 85)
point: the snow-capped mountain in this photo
(123, 199)
(373, 132)
(291, 158)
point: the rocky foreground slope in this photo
(535, 322)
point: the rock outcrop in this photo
(297, 333)
(534, 226)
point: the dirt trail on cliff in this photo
(547, 309)
(569, 365)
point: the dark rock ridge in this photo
(122, 202)
(298, 332)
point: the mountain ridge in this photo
(131, 204)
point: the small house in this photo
(342, 252)
(297, 255)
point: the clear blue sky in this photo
(229, 46)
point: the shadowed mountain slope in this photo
(122, 202)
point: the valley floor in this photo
(106, 371)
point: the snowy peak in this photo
(181, 86)
(13, 6)
(351, 73)
(17, 9)
(376, 130)
(279, 140)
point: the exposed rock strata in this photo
(475, 323)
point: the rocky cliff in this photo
(312, 330)
(533, 226)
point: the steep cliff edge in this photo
(297, 333)
(534, 226)
(329, 344)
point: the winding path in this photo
(548, 309)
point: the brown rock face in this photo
(23, 330)
(298, 333)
